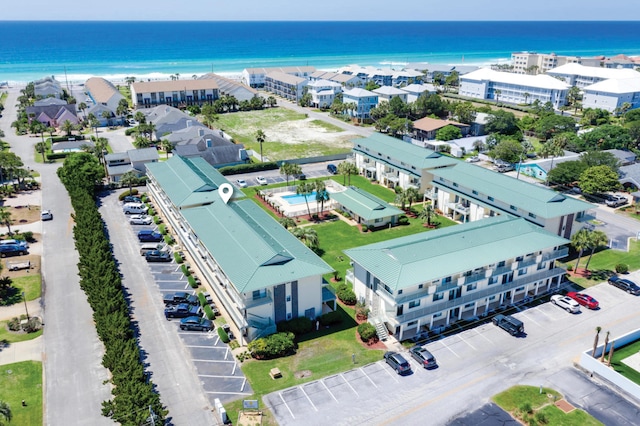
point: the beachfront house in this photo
(175, 93)
(285, 85)
(582, 76)
(427, 281)
(514, 88)
(103, 92)
(323, 92)
(405, 77)
(258, 270)
(612, 94)
(363, 100)
(345, 80)
(47, 87)
(52, 113)
(256, 77)
(228, 87)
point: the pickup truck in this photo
(182, 310)
(171, 299)
(509, 324)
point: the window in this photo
(414, 304)
(492, 297)
(472, 287)
(519, 258)
(438, 296)
(522, 271)
(542, 265)
(288, 298)
(288, 316)
(501, 264)
(446, 280)
(469, 305)
(519, 289)
(490, 198)
(438, 315)
(399, 291)
(420, 286)
(259, 294)
(455, 184)
(514, 208)
(411, 324)
(531, 215)
(493, 280)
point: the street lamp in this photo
(25, 305)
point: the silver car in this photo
(140, 219)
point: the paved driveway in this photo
(473, 366)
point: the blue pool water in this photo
(295, 199)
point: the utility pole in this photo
(25, 305)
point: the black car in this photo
(301, 176)
(147, 235)
(331, 168)
(180, 297)
(182, 310)
(624, 284)
(196, 323)
(423, 356)
(397, 362)
(158, 256)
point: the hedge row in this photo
(133, 392)
(246, 168)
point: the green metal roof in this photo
(253, 250)
(542, 202)
(428, 256)
(189, 182)
(365, 205)
(397, 151)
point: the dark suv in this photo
(397, 362)
(331, 168)
(171, 299)
(12, 249)
(147, 235)
(624, 284)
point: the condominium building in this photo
(175, 93)
(612, 94)
(259, 271)
(363, 99)
(425, 281)
(540, 63)
(285, 85)
(323, 92)
(513, 88)
(256, 77)
(582, 76)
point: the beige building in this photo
(285, 85)
(539, 63)
(176, 93)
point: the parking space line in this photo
(467, 342)
(285, 404)
(244, 383)
(232, 393)
(531, 319)
(211, 360)
(332, 395)
(349, 384)
(391, 375)
(367, 376)
(204, 347)
(217, 376)
(226, 354)
(233, 370)
(482, 335)
(445, 345)
(544, 313)
(308, 399)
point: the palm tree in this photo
(604, 348)
(94, 122)
(41, 147)
(347, 169)
(412, 195)
(67, 127)
(5, 412)
(260, 138)
(140, 117)
(401, 198)
(526, 96)
(287, 222)
(129, 80)
(595, 341)
(596, 239)
(307, 235)
(427, 213)
(271, 101)
(107, 116)
(166, 146)
(498, 92)
(580, 241)
(5, 218)
(305, 189)
(129, 178)
(322, 195)
(613, 344)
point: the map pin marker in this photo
(226, 191)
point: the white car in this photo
(261, 180)
(140, 219)
(473, 159)
(241, 183)
(46, 215)
(566, 303)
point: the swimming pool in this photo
(294, 199)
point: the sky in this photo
(325, 10)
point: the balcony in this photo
(557, 254)
(252, 303)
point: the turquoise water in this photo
(295, 199)
(77, 50)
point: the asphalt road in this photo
(473, 366)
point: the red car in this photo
(584, 299)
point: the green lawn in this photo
(622, 353)
(30, 284)
(528, 404)
(22, 381)
(603, 264)
(365, 184)
(320, 354)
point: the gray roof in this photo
(216, 155)
(143, 154)
(630, 174)
(623, 156)
(49, 101)
(231, 87)
(429, 256)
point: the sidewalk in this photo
(17, 309)
(29, 350)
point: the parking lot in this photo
(473, 365)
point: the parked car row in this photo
(400, 364)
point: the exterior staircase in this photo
(378, 323)
(381, 331)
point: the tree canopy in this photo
(599, 179)
(567, 172)
(550, 125)
(448, 133)
(502, 122)
(507, 150)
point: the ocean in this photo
(76, 51)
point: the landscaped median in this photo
(541, 406)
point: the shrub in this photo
(330, 318)
(365, 228)
(246, 168)
(274, 346)
(403, 220)
(34, 324)
(14, 324)
(162, 229)
(366, 331)
(178, 258)
(192, 281)
(622, 268)
(362, 312)
(526, 408)
(151, 211)
(202, 299)
(347, 296)
(185, 270)
(569, 267)
(223, 335)
(541, 417)
(130, 131)
(126, 193)
(157, 220)
(209, 313)
(297, 326)
(168, 239)
(28, 236)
